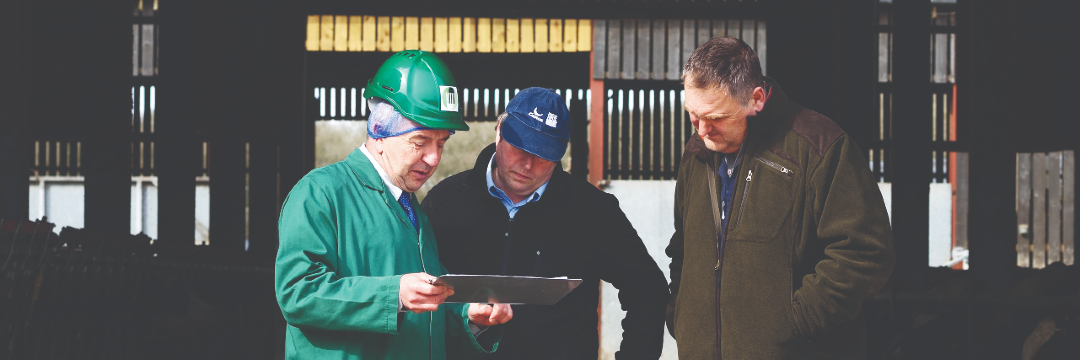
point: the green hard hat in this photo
(419, 86)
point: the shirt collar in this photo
(499, 194)
(394, 190)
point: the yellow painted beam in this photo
(397, 33)
(584, 35)
(498, 35)
(540, 27)
(483, 35)
(527, 37)
(556, 35)
(356, 24)
(341, 33)
(570, 35)
(369, 33)
(326, 37)
(312, 43)
(513, 35)
(427, 34)
(412, 32)
(440, 34)
(469, 40)
(382, 39)
(455, 34)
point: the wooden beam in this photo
(704, 32)
(356, 26)
(369, 33)
(341, 33)
(629, 52)
(584, 35)
(556, 37)
(658, 49)
(614, 49)
(674, 49)
(1068, 196)
(540, 31)
(570, 29)
(527, 36)
(498, 35)
(644, 52)
(1053, 202)
(469, 41)
(383, 34)
(312, 42)
(427, 34)
(326, 37)
(1023, 210)
(455, 39)
(1038, 209)
(513, 35)
(412, 32)
(483, 35)
(397, 33)
(441, 35)
(598, 55)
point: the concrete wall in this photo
(649, 205)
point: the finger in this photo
(508, 313)
(428, 289)
(497, 312)
(478, 313)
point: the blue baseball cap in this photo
(538, 122)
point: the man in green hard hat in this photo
(357, 259)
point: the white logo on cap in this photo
(448, 98)
(552, 119)
(536, 115)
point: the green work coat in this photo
(345, 241)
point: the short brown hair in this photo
(724, 63)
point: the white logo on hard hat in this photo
(448, 98)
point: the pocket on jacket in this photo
(764, 206)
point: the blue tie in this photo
(407, 204)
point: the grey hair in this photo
(724, 63)
(382, 111)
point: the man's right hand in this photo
(418, 295)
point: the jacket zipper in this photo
(750, 176)
(423, 266)
(776, 166)
(745, 190)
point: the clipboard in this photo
(514, 290)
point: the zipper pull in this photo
(750, 174)
(717, 268)
(785, 170)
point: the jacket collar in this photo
(776, 106)
(365, 173)
(477, 178)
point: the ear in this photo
(757, 101)
(375, 146)
(498, 132)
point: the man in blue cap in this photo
(518, 213)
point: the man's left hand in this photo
(490, 314)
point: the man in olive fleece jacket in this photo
(775, 260)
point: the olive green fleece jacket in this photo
(808, 240)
